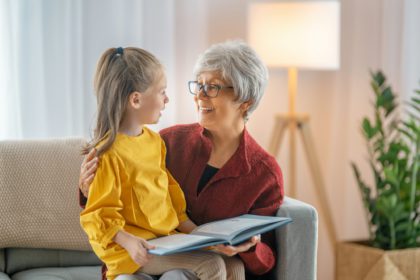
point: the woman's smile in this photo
(205, 109)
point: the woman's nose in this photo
(201, 94)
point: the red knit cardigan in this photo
(250, 182)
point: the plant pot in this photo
(357, 260)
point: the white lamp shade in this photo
(299, 33)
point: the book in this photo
(230, 231)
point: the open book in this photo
(229, 231)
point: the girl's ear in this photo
(135, 99)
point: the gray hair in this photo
(238, 64)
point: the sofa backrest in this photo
(38, 193)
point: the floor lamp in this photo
(297, 34)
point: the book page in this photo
(229, 226)
(177, 240)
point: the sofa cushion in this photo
(68, 273)
(20, 259)
(38, 194)
(4, 276)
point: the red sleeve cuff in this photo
(260, 260)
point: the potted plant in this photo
(392, 202)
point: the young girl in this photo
(133, 197)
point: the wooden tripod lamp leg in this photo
(292, 159)
(280, 124)
(326, 212)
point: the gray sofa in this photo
(40, 236)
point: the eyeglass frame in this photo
(204, 88)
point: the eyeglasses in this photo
(209, 90)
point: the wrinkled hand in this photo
(233, 250)
(87, 171)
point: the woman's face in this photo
(222, 111)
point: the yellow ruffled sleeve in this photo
(101, 218)
(175, 191)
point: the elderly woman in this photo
(220, 167)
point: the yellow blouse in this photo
(134, 191)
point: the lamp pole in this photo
(292, 87)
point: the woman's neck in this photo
(225, 143)
(226, 137)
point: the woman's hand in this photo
(233, 250)
(87, 171)
(136, 247)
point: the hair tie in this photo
(119, 51)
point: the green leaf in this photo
(391, 175)
(407, 133)
(365, 191)
(386, 100)
(386, 205)
(378, 77)
(367, 128)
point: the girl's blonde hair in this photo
(119, 73)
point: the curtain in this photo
(9, 113)
(410, 55)
(48, 55)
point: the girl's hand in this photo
(233, 250)
(87, 172)
(136, 247)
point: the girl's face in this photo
(222, 111)
(153, 100)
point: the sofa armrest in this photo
(297, 242)
(4, 276)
